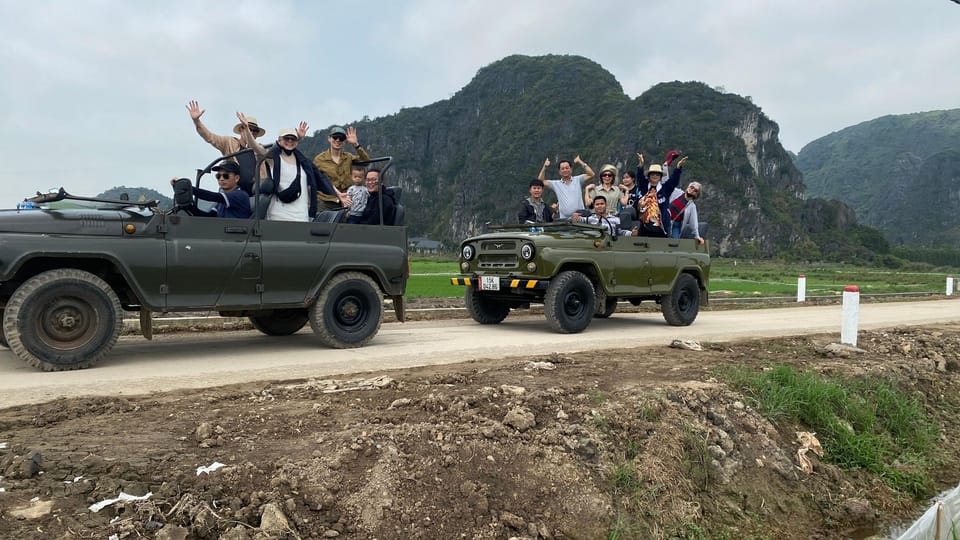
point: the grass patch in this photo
(861, 423)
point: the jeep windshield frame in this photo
(551, 227)
(62, 195)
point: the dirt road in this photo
(181, 361)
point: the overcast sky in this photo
(92, 93)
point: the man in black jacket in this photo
(371, 216)
(533, 209)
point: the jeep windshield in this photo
(562, 229)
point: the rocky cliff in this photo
(466, 160)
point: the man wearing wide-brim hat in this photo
(229, 145)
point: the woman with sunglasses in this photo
(607, 190)
(296, 180)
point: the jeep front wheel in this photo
(483, 309)
(348, 312)
(681, 306)
(62, 319)
(569, 302)
(281, 322)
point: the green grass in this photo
(864, 424)
(430, 278)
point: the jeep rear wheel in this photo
(348, 312)
(281, 322)
(609, 306)
(3, 336)
(681, 306)
(62, 319)
(569, 302)
(483, 309)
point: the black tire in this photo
(681, 306)
(348, 312)
(483, 309)
(570, 302)
(3, 336)
(282, 322)
(609, 306)
(62, 319)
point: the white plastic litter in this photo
(942, 517)
(3, 446)
(209, 468)
(123, 497)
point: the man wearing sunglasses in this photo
(337, 164)
(231, 201)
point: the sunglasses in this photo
(223, 175)
(290, 138)
(339, 138)
(606, 174)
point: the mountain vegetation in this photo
(137, 194)
(899, 173)
(466, 160)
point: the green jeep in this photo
(70, 268)
(579, 271)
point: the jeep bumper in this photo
(498, 283)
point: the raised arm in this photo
(220, 142)
(248, 136)
(641, 178)
(587, 171)
(674, 179)
(543, 172)
(587, 199)
(352, 139)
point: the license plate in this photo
(489, 283)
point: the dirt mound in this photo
(606, 444)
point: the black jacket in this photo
(371, 214)
(527, 212)
(315, 178)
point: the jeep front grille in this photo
(498, 245)
(497, 261)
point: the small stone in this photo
(273, 520)
(520, 419)
(33, 510)
(562, 415)
(204, 431)
(171, 532)
(331, 533)
(512, 390)
(513, 521)
(397, 403)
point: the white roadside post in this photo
(802, 288)
(949, 285)
(851, 314)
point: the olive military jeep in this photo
(578, 271)
(71, 268)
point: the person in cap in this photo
(684, 222)
(230, 145)
(292, 179)
(337, 163)
(607, 189)
(567, 187)
(651, 181)
(231, 201)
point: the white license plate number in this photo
(489, 283)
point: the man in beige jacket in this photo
(229, 145)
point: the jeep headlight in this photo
(527, 251)
(467, 252)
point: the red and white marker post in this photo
(802, 288)
(949, 285)
(851, 315)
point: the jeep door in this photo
(632, 265)
(211, 262)
(293, 252)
